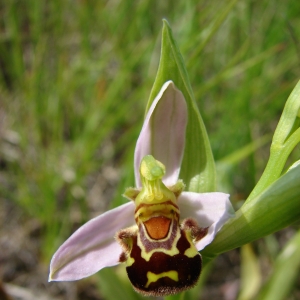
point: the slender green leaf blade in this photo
(274, 209)
(285, 139)
(290, 118)
(285, 272)
(250, 273)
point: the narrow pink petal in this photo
(163, 133)
(92, 247)
(208, 209)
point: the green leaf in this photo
(274, 209)
(285, 139)
(290, 118)
(250, 273)
(198, 167)
(285, 272)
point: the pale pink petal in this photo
(92, 247)
(163, 133)
(208, 209)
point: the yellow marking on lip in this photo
(130, 261)
(191, 252)
(152, 277)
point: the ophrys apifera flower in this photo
(159, 232)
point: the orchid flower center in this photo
(153, 190)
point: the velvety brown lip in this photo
(158, 227)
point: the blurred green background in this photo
(75, 77)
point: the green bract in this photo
(198, 167)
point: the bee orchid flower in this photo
(159, 232)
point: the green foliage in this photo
(250, 273)
(285, 273)
(198, 168)
(275, 208)
(285, 139)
